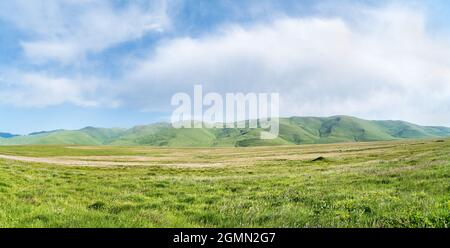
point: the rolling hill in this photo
(293, 131)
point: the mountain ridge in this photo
(7, 135)
(293, 131)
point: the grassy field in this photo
(378, 184)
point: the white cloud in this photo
(385, 65)
(66, 30)
(26, 89)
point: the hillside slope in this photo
(293, 130)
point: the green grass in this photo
(381, 184)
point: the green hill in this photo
(293, 130)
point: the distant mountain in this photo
(293, 131)
(7, 135)
(85, 136)
(45, 132)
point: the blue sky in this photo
(69, 64)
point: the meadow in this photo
(366, 184)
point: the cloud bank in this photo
(376, 63)
(386, 65)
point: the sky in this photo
(67, 64)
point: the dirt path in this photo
(65, 161)
(81, 161)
